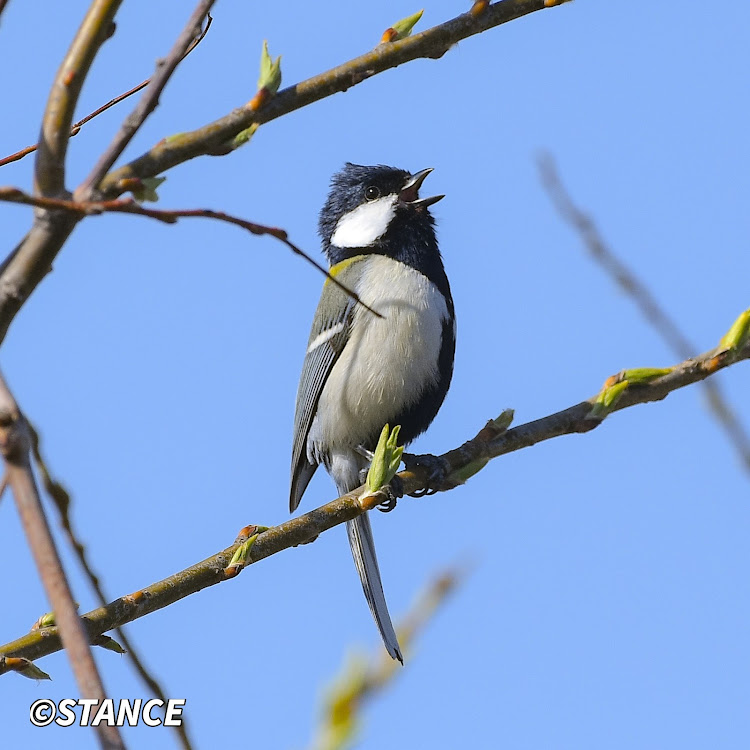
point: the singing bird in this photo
(362, 371)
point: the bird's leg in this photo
(393, 490)
(437, 471)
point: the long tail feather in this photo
(363, 551)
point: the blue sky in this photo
(608, 606)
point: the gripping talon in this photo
(394, 491)
(436, 468)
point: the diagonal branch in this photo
(213, 138)
(75, 128)
(643, 299)
(15, 446)
(32, 259)
(149, 100)
(62, 501)
(97, 26)
(129, 206)
(461, 463)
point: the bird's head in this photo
(375, 209)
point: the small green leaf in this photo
(738, 334)
(645, 374)
(404, 27)
(607, 399)
(104, 641)
(270, 71)
(24, 667)
(239, 558)
(504, 420)
(385, 461)
(45, 621)
(146, 191)
(460, 476)
(244, 136)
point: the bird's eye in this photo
(372, 193)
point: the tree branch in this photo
(97, 26)
(622, 391)
(624, 277)
(15, 445)
(149, 101)
(128, 206)
(76, 127)
(62, 501)
(31, 260)
(212, 139)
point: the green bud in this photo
(244, 136)
(460, 476)
(270, 71)
(241, 554)
(738, 334)
(45, 621)
(645, 374)
(404, 27)
(385, 461)
(147, 189)
(504, 420)
(104, 641)
(607, 399)
(32, 672)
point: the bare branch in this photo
(646, 302)
(32, 258)
(361, 680)
(15, 445)
(461, 463)
(97, 26)
(62, 501)
(149, 100)
(84, 208)
(76, 127)
(213, 139)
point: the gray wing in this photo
(329, 334)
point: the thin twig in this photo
(31, 260)
(362, 679)
(129, 206)
(644, 300)
(149, 101)
(97, 25)
(33, 257)
(15, 446)
(61, 499)
(76, 127)
(461, 462)
(212, 139)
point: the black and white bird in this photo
(362, 371)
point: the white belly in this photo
(387, 363)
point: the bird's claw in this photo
(436, 468)
(392, 491)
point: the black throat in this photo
(409, 239)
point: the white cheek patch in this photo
(362, 226)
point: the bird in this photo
(363, 370)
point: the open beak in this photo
(410, 191)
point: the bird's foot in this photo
(435, 467)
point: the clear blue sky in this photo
(609, 605)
